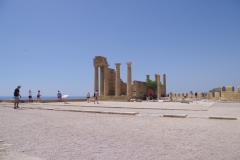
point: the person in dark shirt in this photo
(196, 95)
(16, 97)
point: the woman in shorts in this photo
(38, 97)
(88, 97)
(30, 96)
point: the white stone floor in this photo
(41, 131)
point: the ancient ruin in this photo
(226, 94)
(112, 86)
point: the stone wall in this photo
(111, 81)
(227, 94)
(139, 89)
(123, 88)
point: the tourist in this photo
(96, 97)
(196, 95)
(88, 97)
(191, 94)
(150, 95)
(38, 97)
(59, 95)
(16, 97)
(30, 96)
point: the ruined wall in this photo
(123, 88)
(227, 94)
(111, 81)
(139, 89)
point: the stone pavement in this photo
(119, 130)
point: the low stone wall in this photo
(227, 94)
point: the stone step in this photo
(175, 115)
(220, 117)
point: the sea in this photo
(42, 97)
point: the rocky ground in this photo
(119, 130)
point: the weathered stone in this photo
(226, 118)
(175, 115)
(112, 85)
(184, 101)
(139, 100)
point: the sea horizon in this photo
(42, 97)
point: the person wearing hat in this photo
(16, 97)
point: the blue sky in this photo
(49, 45)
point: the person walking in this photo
(59, 95)
(191, 94)
(88, 97)
(38, 96)
(96, 97)
(16, 97)
(30, 96)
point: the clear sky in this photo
(49, 45)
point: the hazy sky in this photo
(49, 45)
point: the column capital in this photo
(129, 64)
(117, 64)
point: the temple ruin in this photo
(112, 86)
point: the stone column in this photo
(129, 79)
(118, 82)
(158, 86)
(96, 79)
(101, 81)
(106, 82)
(147, 76)
(164, 83)
(170, 96)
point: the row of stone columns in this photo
(104, 84)
(103, 80)
(118, 81)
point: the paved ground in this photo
(119, 130)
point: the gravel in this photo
(36, 134)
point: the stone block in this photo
(132, 100)
(175, 115)
(229, 88)
(184, 101)
(226, 118)
(138, 100)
